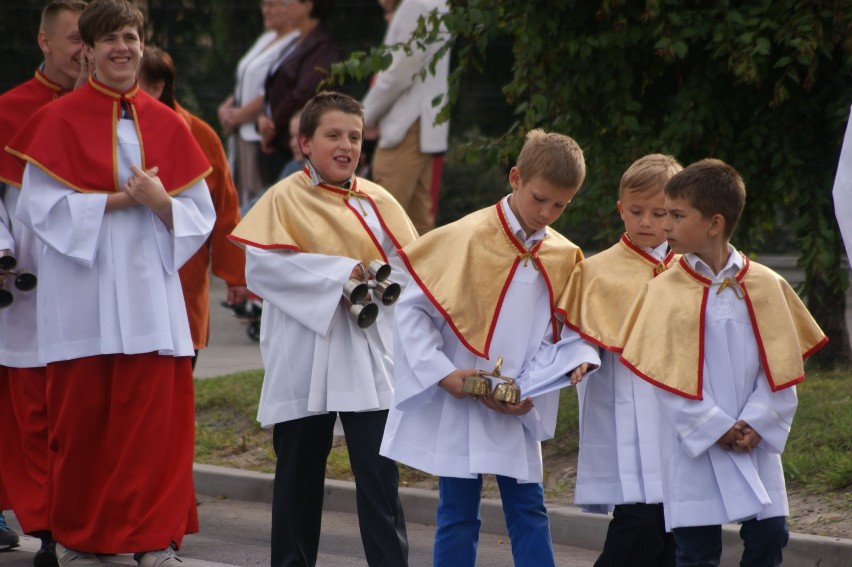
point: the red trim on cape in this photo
(75, 140)
(665, 261)
(660, 385)
(367, 228)
(588, 338)
(533, 252)
(361, 195)
(245, 242)
(437, 305)
(498, 307)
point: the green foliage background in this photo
(762, 84)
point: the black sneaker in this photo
(46, 556)
(8, 537)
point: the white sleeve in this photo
(842, 191)
(193, 217)
(7, 241)
(306, 287)
(550, 368)
(418, 349)
(396, 79)
(65, 220)
(770, 414)
(697, 423)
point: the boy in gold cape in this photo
(723, 339)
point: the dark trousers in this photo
(302, 447)
(763, 542)
(637, 537)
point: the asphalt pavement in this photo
(234, 505)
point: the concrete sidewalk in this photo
(569, 526)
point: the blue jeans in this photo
(763, 542)
(457, 533)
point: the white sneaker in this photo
(71, 558)
(162, 558)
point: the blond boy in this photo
(619, 460)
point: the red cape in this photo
(74, 140)
(16, 107)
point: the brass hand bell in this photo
(506, 393)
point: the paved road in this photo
(230, 349)
(236, 533)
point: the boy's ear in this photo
(717, 225)
(514, 178)
(620, 208)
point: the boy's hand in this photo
(454, 381)
(146, 189)
(750, 439)
(729, 440)
(578, 373)
(521, 408)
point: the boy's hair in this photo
(556, 158)
(55, 7)
(105, 16)
(648, 174)
(324, 102)
(157, 65)
(713, 187)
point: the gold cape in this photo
(663, 336)
(465, 268)
(602, 288)
(322, 219)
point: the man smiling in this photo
(113, 186)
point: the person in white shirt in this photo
(487, 288)
(399, 110)
(305, 239)
(113, 187)
(618, 467)
(239, 112)
(723, 340)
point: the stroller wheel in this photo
(253, 330)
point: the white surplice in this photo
(18, 335)
(619, 459)
(704, 484)
(431, 430)
(101, 273)
(316, 359)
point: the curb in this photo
(568, 526)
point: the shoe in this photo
(8, 537)
(70, 558)
(162, 558)
(46, 556)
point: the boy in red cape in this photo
(113, 186)
(23, 377)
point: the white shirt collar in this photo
(733, 265)
(659, 252)
(316, 179)
(516, 226)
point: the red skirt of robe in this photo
(23, 445)
(121, 439)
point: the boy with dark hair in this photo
(619, 462)
(23, 377)
(305, 238)
(157, 77)
(723, 339)
(113, 187)
(487, 288)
